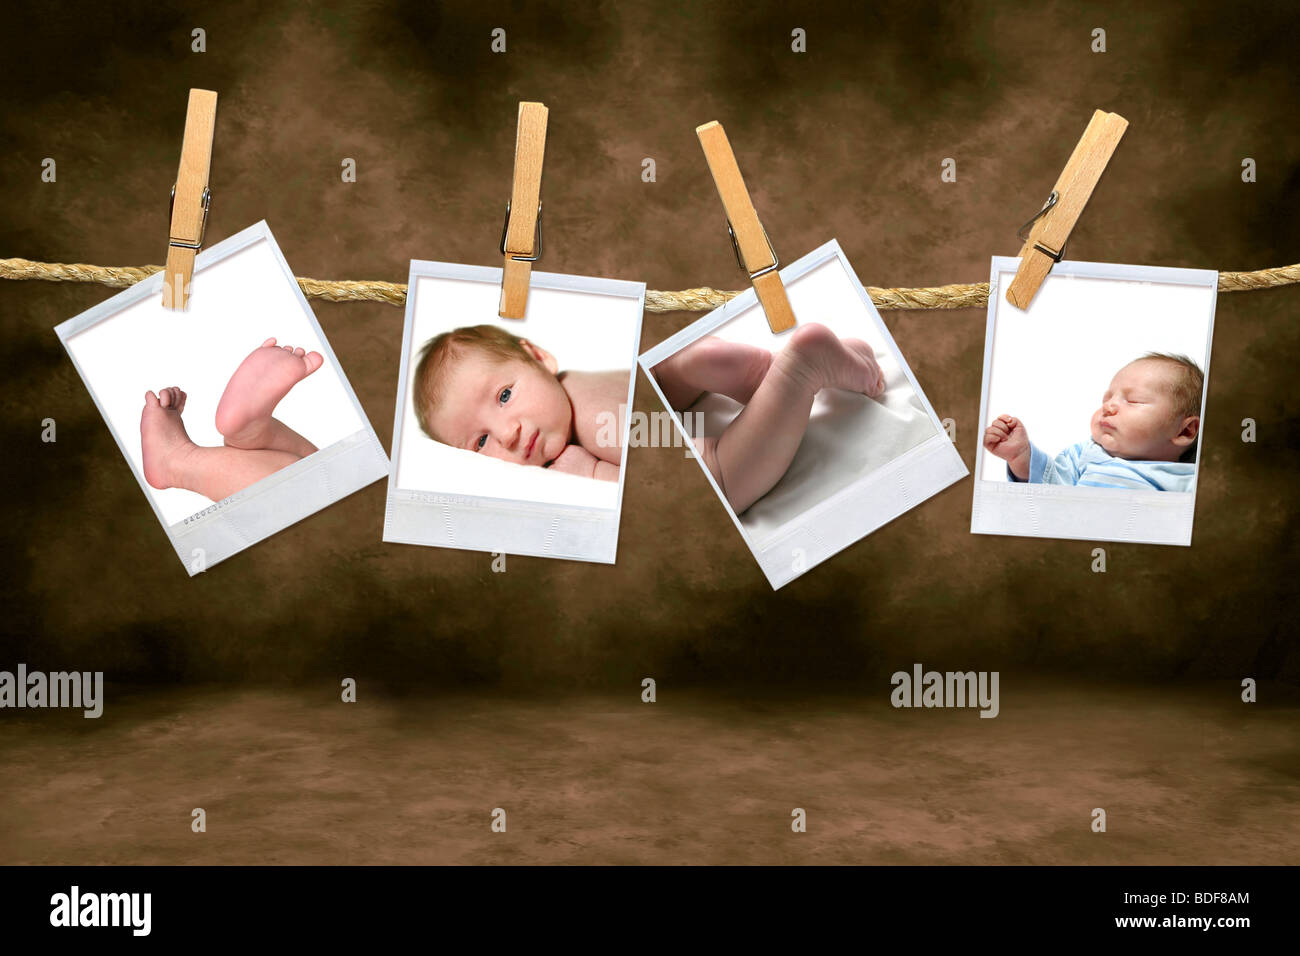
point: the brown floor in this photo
(287, 776)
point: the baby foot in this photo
(262, 379)
(868, 356)
(163, 437)
(818, 359)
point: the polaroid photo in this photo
(813, 438)
(235, 415)
(1093, 403)
(510, 435)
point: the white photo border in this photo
(867, 504)
(1087, 514)
(473, 523)
(279, 500)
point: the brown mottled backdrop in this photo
(845, 141)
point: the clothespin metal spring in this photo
(203, 226)
(1023, 232)
(537, 237)
(776, 263)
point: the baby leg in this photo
(275, 435)
(171, 460)
(712, 365)
(261, 381)
(758, 446)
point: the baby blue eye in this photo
(482, 440)
(504, 396)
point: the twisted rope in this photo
(968, 295)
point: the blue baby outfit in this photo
(1088, 465)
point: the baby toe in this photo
(314, 360)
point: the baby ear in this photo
(541, 355)
(1187, 434)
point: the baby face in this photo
(513, 409)
(1137, 420)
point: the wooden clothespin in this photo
(1045, 241)
(754, 251)
(521, 237)
(190, 199)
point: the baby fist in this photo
(1007, 438)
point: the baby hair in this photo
(1187, 385)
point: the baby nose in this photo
(508, 434)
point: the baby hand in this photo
(575, 460)
(1009, 440)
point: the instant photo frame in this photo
(1098, 303)
(464, 501)
(822, 286)
(245, 275)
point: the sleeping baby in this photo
(487, 391)
(1143, 436)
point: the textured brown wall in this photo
(845, 141)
